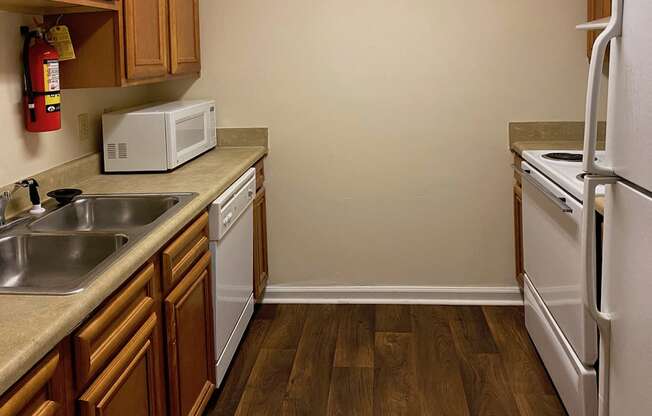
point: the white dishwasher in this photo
(231, 244)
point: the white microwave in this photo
(158, 137)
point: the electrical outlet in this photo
(83, 127)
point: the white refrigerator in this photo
(619, 296)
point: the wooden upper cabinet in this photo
(146, 35)
(596, 9)
(140, 42)
(184, 36)
(57, 6)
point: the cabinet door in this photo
(146, 35)
(596, 9)
(184, 36)
(260, 244)
(190, 344)
(42, 391)
(131, 383)
(518, 234)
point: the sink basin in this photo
(53, 264)
(64, 251)
(106, 213)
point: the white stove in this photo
(566, 173)
(562, 329)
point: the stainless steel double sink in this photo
(66, 249)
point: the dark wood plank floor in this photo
(386, 360)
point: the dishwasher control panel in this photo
(229, 206)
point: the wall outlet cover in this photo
(83, 126)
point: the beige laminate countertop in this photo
(30, 326)
(519, 147)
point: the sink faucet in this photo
(5, 198)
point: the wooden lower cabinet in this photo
(184, 251)
(148, 350)
(518, 226)
(101, 338)
(43, 390)
(518, 235)
(190, 345)
(132, 383)
(260, 245)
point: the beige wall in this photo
(388, 123)
(23, 154)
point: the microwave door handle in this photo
(613, 29)
(558, 201)
(590, 282)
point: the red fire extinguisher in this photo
(42, 97)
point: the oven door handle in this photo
(590, 282)
(560, 202)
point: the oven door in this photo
(552, 255)
(190, 132)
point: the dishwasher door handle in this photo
(560, 202)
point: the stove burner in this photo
(565, 157)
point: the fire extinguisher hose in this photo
(28, 77)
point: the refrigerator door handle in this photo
(613, 29)
(590, 280)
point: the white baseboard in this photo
(417, 295)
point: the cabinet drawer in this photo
(40, 392)
(260, 174)
(183, 252)
(130, 384)
(103, 336)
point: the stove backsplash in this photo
(550, 131)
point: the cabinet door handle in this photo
(613, 29)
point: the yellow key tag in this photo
(59, 37)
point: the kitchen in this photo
(366, 223)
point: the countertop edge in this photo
(112, 278)
(521, 146)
